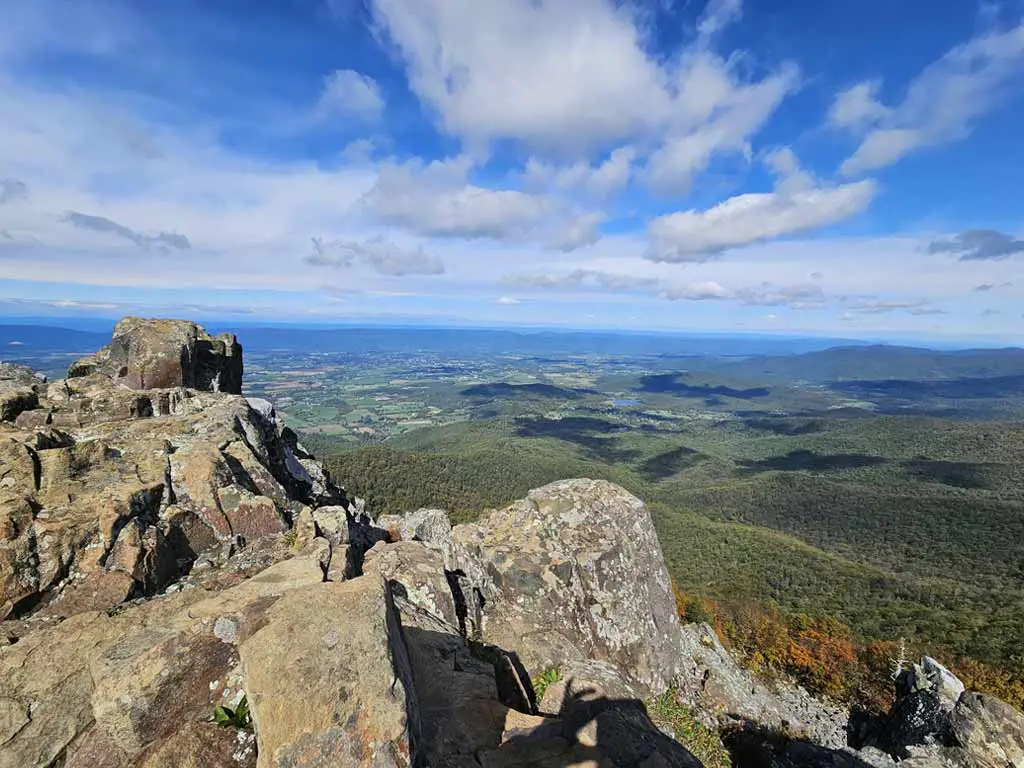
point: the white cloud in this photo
(764, 294)
(718, 15)
(348, 93)
(380, 255)
(575, 77)
(940, 105)
(858, 106)
(600, 180)
(435, 199)
(507, 301)
(576, 232)
(553, 74)
(797, 204)
(718, 115)
(875, 306)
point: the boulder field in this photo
(182, 584)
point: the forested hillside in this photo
(897, 527)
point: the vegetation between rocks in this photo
(704, 743)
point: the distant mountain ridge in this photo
(878, 361)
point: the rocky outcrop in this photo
(19, 390)
(713, 683)
(429, 525)
(107, 493)
(163, 354)
(990, 732)
(99, 690)
(936, 723)
(183, 586)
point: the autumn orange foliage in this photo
(823, 655)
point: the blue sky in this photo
(761, 165)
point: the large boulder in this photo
(573, 571)
(161, 354)
(935, 723)
(19, 390)
(429, 525)
(329, 682)
(139, 688)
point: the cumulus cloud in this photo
(379, 254)
(798, 203)
(435, 199)
(573, 77)
(507, 301)
(576, 232)
(11, 190)
(979, 245)
(590, 278)
(599, 180)
(717, 115)
(160, 241)
(348, 93)
(940, 105)
(800, 296)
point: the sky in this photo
(795, 166)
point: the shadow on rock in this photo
(590, 729)
(752, 745)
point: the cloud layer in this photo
(589, 162)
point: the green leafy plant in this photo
(705, 743)
(291, 537)
(544, 680)
(239, 717)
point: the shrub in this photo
(703, 742)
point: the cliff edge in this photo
(181, 584)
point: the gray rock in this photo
(427, 525)
(713, 682)
(572, 572)
(328, 680)
(989, 731)
(19, 390)
(225, 629)
(107, 492)
(931, 675)
(332, 523)
(161, 354)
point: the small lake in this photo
(623, 403)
